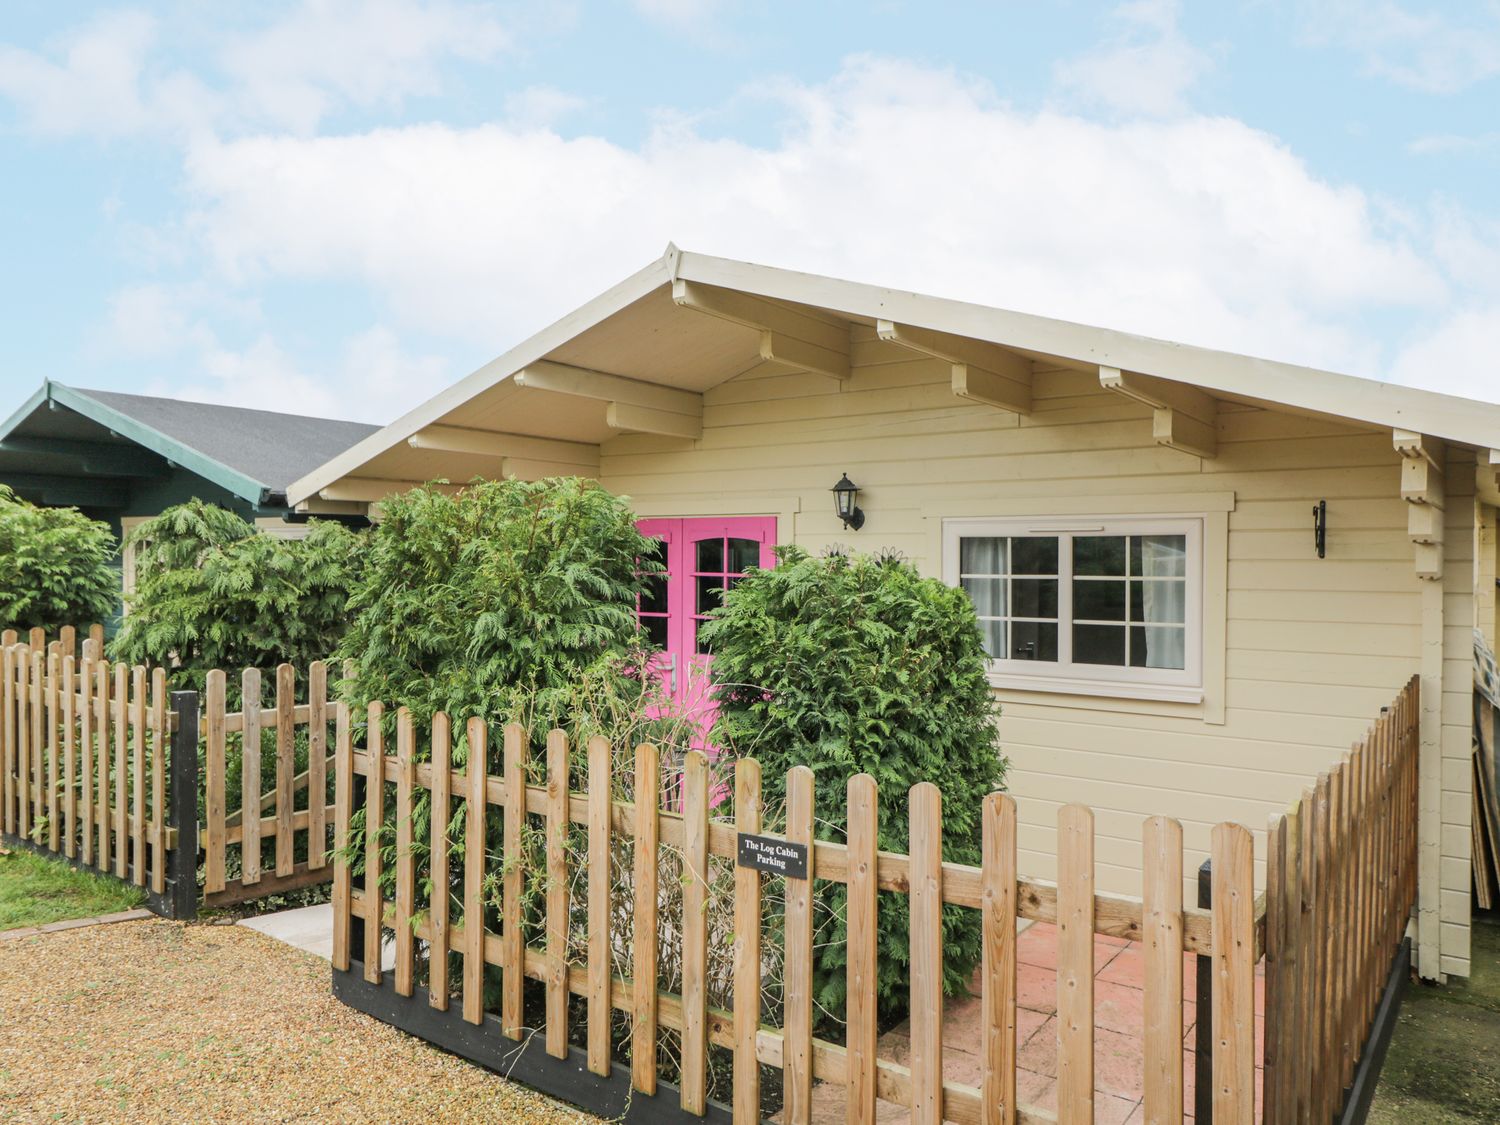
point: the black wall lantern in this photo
(844, 495)
(1320, 528)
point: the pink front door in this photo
(703, 558)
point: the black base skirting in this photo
(1367, 1074)
(525, 1060)
(165, 904)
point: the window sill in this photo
(1160, 693)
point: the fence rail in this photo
(1341, 882)
(392, 783)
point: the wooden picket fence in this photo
(1341, 883)
(452, 922)
(295, 814)
(85, 758)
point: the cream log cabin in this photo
(1199, 575)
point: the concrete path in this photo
(310, 928)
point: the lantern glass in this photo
(844, 496)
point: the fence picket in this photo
(557, 894)
(374, 820)
(475, 775)
(747, 951)
(1162, 944)
(214, 771)
(1075, 965)
(1276, 986)
(1321, 1036)
(122, 772)
(23, 741)
(317, 764)
(797, 968)
(250, 784)
(599, 969)
(101, 801)
(1234, 975)
(406, 862)
(998, 961)
(343, 801)
(695, 933)
(50, 709)
(67, 641)
(643, 921)
(286, 768)
(7, 731)
(442, 893)
(512, 937)
(38, 739)
(86, 756)
(862, 929)
(69, 704)
(37, 639)
(138, 774)
(925, 803)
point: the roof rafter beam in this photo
(1424, 489)
(1183, 417)
(632, 406)
(795, 337)
(980, 371)
(486, 443)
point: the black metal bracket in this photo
(1320, 528)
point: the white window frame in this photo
(1170, 685)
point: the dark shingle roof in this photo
(272, 448)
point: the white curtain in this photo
(1165, 602)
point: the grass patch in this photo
(35, 890)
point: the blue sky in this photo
(339, 207)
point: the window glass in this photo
(743, 554)
(1034, 555)
(1033, 640)
(711, 555)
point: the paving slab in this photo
(310, 928)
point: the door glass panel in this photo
(743, 554)
(710, 593)
(711, 555)
(656, 630)
(698, 645)
(654, 596)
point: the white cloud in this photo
(682, 14)
(540, 107)
(1197, 229)
(1437, 50)
(325, 55)
(1146, 70)
(1456, 354)
(1439, 144)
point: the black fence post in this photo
(182, 896)
(1203, 1028)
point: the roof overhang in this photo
(638, 358)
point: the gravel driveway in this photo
(157, 1021)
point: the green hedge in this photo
(55, 567)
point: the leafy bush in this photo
(478, 603)
(54, 567)
(859, 665)
(213, 593)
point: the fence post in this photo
(1203, 1031)
(183, 901)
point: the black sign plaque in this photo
(772, 855)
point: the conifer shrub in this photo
(55, 567)
(857, 664)
(212, 592)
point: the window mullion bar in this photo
(1065, 601)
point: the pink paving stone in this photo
(1118, 1007)
(1036, 988)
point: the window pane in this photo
(1158, 647)
(1099, 644)
(698, 643)
(1137, 601)
(987, 594)
(1035, 555)
(1098, 601)
(656, 630)
(654, 596)
(1033, 597)
(711, 555)
(1099, 554)
(1033, 640)
(993, 633)
(1163, 602)
(743, 554)
(1159, 556)
(981, 556)
(710, 594)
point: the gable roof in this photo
(254, 454)
(622, 332)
